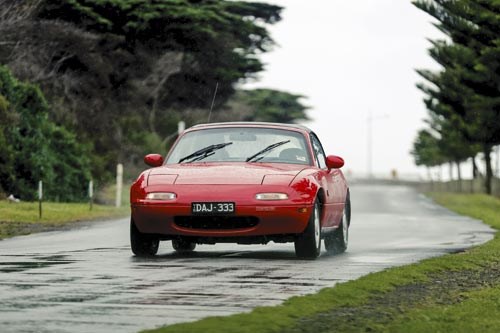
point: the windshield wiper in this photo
(265, 150)
(204, 152)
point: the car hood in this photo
(225, 174)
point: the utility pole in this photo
(369, 143)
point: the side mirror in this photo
(334, 162)
(154, 160)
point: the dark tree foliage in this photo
(32, 148)
(466, 92)
(271, 105)
(425, 150)
(219, 39)
(118, 72)
(6, 150)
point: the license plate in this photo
(212, 208)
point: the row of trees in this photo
(119, 74)
(463, 98)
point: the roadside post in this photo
(91, 194)
(119, 184)
(40, 197)
(181, 126)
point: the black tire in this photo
(308, 244)
(337, 241)
(143, 245)
(182, 245)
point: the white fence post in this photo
(91, 194)
(181, 126)
(119, 184)
(40, 198)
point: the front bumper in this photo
(272, 219)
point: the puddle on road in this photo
(185, 299)
(224, 269)
(158, 266)
(39, 262)
(104, 277)
(12, 267)
(264, 276)
(285, 283)
(27, 286)
(62, 280)
(75, 298)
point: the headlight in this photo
(271, 196)
(161, 196)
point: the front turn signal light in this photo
(271, 196)
(164, 196)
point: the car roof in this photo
(252, 124)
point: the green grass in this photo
(478, 312)
(453, 293)
(22, 218)
(479, 206)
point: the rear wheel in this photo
(142, 244)
(308, 244)
(182, 245)
(336, 243)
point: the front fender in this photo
(307, 185)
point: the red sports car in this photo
(242, 182)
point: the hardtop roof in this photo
(252, 124)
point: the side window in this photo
(318, 152)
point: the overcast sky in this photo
(351, 58)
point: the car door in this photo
(327, 179)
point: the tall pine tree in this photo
(467, 91)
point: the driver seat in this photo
(293, 155)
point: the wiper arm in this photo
(204, 152)
(265, 150)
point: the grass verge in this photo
(22, 218)
(453, 293)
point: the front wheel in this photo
(308, 244)
(142, 245)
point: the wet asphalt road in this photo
(86, 280)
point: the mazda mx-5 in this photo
(245, 183)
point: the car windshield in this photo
(248, 144)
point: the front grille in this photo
(216, 222)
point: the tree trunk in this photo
(489, 171)
(449, 187)
(429, 176)
(459, 175)
(475, 171)
(497, 169)
(152, 114)
(474, 174)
